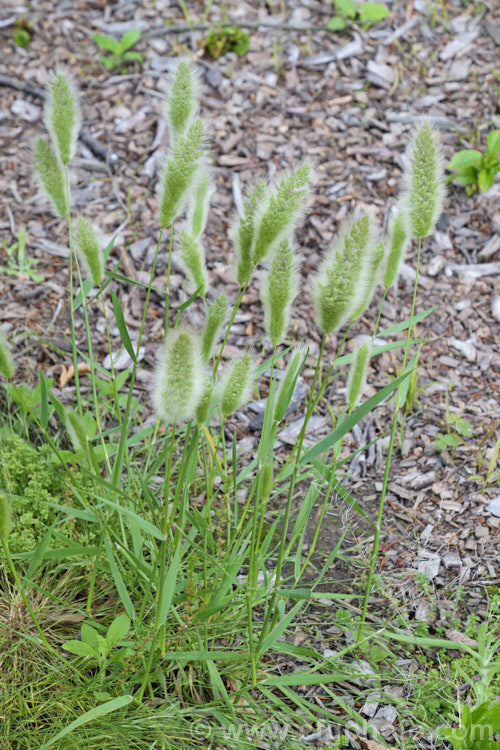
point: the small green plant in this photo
(119, 49)
(223, 39)
(17, 260)
(477, 170)
(23, 31)
(457, 428)
(349, 10)
(102, 648)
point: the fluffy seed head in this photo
(182, 99)
(236, 385)
(206, 403)
(242, 232)
(288, 382)
(77, 431)
(90, 250)
(198, 206)
(277, 216)
(280, 285)
(7, 366)
(424, 180)
(357, 374)
(216, 314)
(62, 115)
(179, 173)
(374, 264)
(398, 241)
(339, 287)
(50, 176)
(179, 379)
(193, 260)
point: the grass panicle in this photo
(180, 172)
(90, 246)
(398, 241)
(62, 115)
(192, 256)
(279, 213)
(182, 99)
(216, 315)
(197, 211)
(236, 384)
(50, 175)
(356, 380)
(242, 232)
(340, 285)
(424, 186)
(179, 378)
(279, 287)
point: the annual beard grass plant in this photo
(188, 537)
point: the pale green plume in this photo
(206, 403)
(374, 265)
(216, 314)
(193, 260)
(357, 374)
(339, 287)
(179, 379)
(182, 100)
(7, 366)
(280, 285)
(90, 250)
(5, 518)
(424, 180)
(62, 115)
(398, 241)
(278, 214)
(288, 382)
(242, 232)
(236, 385)
(267, 480)
(179, 173)
(77, 432)
(51, 176)
(198, 206)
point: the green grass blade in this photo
(95, 713)
(120, 583)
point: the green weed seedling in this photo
(457, 428)
(349, 11)
(223, 39)
(101, 648)
(23, 31)
(18, 262)
(119, 49)
(477, 170)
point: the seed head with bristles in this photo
(62, 115)
(357, 374)
(216, 314)
(277, 215)
(197, 211)
(424, 180)
(339, 287)
(280, 284)
(288, 382)
(90, 250)
(236, 384)
(374, 264)
(193, 261)
(180, 172)
(242, 232)
(7, 366)
(51, 176)
(182, 99)
(398, 241)
(179, 380)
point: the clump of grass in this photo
(185, 533)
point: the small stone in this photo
(428, 564)
(494, 507)
(25, 110)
